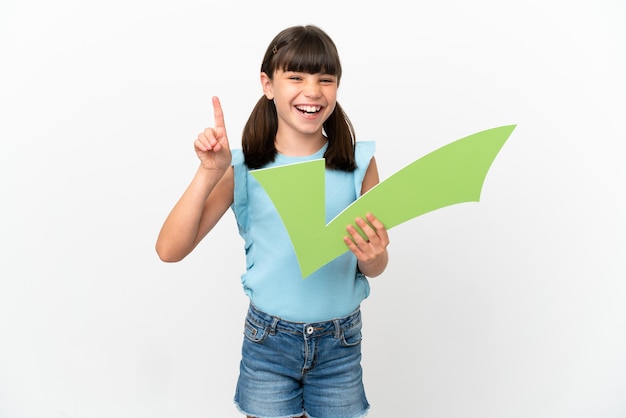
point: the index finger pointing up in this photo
(218, 114)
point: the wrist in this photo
(210, 171)
(374, 267)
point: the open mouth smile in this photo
(309, 110)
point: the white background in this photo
(511, 307)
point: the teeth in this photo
(309, 109)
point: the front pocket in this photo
(351, 337)
(254, 332)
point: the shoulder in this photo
(240, 189)
(237, 157)
(363, 152)
(366, 145)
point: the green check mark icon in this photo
(452, 174)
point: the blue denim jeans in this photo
(292, 368)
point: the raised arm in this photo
(207, 197)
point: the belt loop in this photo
(274, 324)
(337, 328)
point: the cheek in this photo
(331, 97)
(331, 107)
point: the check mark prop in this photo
(452, 174)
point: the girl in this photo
(301, 349)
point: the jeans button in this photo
(309, 330)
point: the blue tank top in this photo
(272, 279)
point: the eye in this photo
(292, 75)
(328, 80)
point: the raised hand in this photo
(212, 146)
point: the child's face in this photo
(303, 101)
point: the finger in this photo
(379, 227)
(218, 114)
(368, 230)
(352, 245)
(356, 237)
(199, 145)
(211, 138)
(205, 139)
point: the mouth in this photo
(308, 109)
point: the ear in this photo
(266, 83)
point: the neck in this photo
(299, 147)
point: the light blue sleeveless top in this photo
(272, 279)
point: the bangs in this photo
(307, 52)
(308, 58)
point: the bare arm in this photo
(207, 197)
(371, 177)
(195, 214)
(372, 253)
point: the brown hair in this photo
(302, 49)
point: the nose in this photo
(312, 89)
